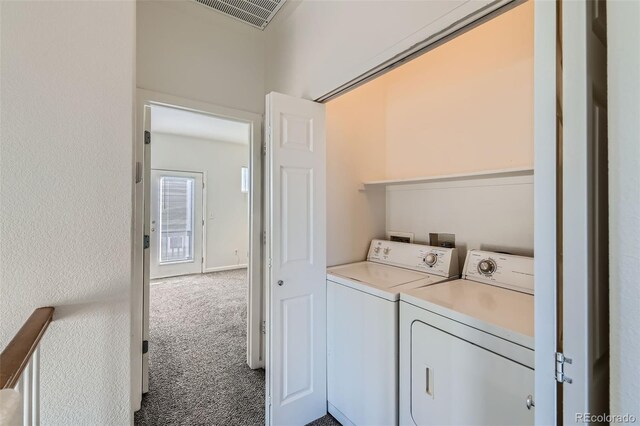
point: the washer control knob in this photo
(431, 259)
(487, 266)
(387, 250)
(376, 250)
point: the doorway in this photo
(177, 226)
(197, 220)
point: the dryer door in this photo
(456, 382)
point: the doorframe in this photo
(203, 252)
(144, 99)
(546, 160)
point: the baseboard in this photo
(224, 268)
(337, 414)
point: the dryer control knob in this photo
(487, 266)
(431, 259)
(376, 250)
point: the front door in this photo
(176, 223)
(296, 251)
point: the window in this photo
(176, 219)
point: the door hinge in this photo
(263, 327)
(146, 242)
(264, 149)
(264, 237)
(561, 360)
(138, 172)
(147, 137)
(145, 346)
(269, 263)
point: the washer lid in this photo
(504, 313)
(375, 274)
(380, 280)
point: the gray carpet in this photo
(198, 374)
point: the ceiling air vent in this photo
(257, 13)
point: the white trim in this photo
(254, 314)
(485, 174)
(545, 231)
(224, 268)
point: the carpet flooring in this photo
(198, 373)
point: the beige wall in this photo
(355, 153)
(465, 106)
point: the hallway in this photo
(198, 374)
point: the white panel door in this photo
(176, 223)
(585, 319)
(296, 321)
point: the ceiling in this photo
(257, 13)
(174, 121)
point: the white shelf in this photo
(528, 171)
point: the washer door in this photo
(456, 382)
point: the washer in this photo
(467, 346)
(362, 326)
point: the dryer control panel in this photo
(432, 260)
(502, 270)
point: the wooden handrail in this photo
(15, 357)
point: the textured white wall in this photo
(227, 208)
(67, 88)
(187, 50)
(623, 22)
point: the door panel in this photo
(296, 217)
(297, 347)
(296, 321)
(585, 209)
(454, 382)
(176, 223)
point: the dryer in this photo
(362, 326)
(467, 346)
